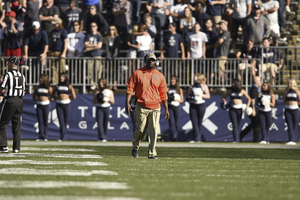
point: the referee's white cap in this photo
(15, 60)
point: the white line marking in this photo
(49, 155)
(44, 197)
(38, 172)
(34, 162)
(61, 184)
(55, 149)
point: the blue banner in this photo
(82, 122)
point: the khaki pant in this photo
(92, 65)
(222, 62)
(268, 67)
(57, 65)
(146, 118)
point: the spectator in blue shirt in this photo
(200, 15)
(93, 45)
(71, 15)
(270, 57)
(35, 42)
(172, 42)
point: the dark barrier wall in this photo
(82, 124)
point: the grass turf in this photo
(179, 173)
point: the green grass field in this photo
(92, 170)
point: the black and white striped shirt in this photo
(14, 84)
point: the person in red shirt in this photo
(150, 90)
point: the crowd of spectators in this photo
(191, 27)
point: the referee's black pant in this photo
(12, 109)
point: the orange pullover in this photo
(149, 86)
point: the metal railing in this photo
(85, 71)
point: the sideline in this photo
(243, 145)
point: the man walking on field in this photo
(150, 90)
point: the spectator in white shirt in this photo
(144, 42)
(76, 41)
(75, 49)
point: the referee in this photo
(13, 88)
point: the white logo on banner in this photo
(52, 117)
(209, 125)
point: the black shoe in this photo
(152, 157)
(135, 153)
(4, 149)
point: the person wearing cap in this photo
(256, 26)
(99, 6)
(13, 88)
(20, 9)
(35, 43)
(214, 10)
(94, 16)
(222, 46)
(12, 33)
(71, 15)
(58, 48)
(150, 90)
(32, 7)
(47, 14)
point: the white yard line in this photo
(39, 172)
(61, 184)
(48, 197)
(56, 149)
(50, 155)
(34, 162)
